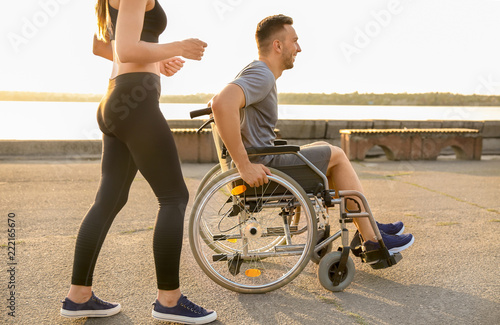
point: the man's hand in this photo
(254, 174)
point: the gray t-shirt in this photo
(260, 114)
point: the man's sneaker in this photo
(95, 307)
(395, 228)
(185, 312)
(394, 243)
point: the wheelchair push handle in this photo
(200, 112)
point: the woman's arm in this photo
(102, 48)
(129, 47)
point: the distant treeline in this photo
(403, 99)
(69, 97)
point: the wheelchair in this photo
(258, 239)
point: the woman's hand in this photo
(193, 48)
(103, 48)
(170, 66)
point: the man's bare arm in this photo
(226, 109)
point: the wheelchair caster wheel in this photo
(328, 268)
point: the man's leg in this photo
(342, 176)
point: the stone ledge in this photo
(297, 132)
(192, 147)
(409, 131)
(412, 144)
(51, 148)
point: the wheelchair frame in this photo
(336, 269)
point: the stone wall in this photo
(302, 132)
(199, 148)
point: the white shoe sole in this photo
(401, 248)
(183, 319)
(91, 313)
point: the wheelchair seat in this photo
(303, 174)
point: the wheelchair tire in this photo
(212, 173)
(246, 250)
(327, 268)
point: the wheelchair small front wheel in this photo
(328, 267)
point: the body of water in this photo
(77, 121)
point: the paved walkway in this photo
(451, 275)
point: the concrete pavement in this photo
(451, 275)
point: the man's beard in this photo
(288, 61)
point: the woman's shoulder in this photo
(115, 4)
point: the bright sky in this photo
(347, 45)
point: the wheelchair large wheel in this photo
(328, 267)
(250, 240)
(212, 173)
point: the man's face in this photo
(290, 47)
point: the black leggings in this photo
(136, 137)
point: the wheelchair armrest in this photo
(272, 150)
(280, 142)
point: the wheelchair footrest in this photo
(356, 247)
(378, 259)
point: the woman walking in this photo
(136, 137)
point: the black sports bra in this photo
(155, 22)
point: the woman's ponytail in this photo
(101, 11)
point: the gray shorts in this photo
(318, 155)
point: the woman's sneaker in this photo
(185, 312)
(95, 307)
(395, 228)
(393, 243)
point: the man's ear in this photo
(277, 46)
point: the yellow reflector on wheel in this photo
(238, 190)
(232, 240)
(252, 273)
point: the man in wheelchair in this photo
(250, 100)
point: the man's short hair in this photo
(268, 28)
